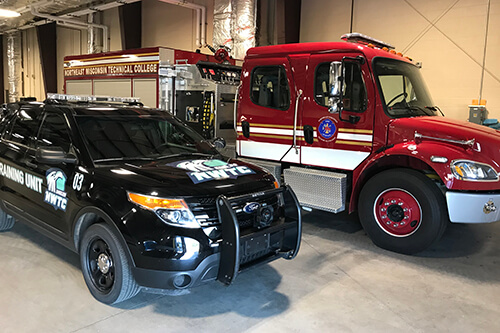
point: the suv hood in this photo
(188, 176)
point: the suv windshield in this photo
(133, 137)
(403, 90)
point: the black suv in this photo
(139, 195)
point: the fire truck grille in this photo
(318, 189)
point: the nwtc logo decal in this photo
(251, 207)
(326, 129)
(205, 170)
(55, 194)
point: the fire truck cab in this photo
(351, 125)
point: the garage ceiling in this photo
(65, 8)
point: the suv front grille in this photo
(205, 210)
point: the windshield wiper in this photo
(186, 154)
(435, 108)
(112, 159)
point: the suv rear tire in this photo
(6, 221)
(105, 266)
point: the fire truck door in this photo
(328, 140)
(267, 110)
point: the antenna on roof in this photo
(356, 37)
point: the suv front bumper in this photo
(237, 250)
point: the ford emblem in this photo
(251, 207)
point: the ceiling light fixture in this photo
(8, 13)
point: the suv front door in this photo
(55, 205)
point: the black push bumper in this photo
(240, 249)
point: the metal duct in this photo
(92, 46)
(234, 25)
(243, 26)
(222, 24)
(14, 64)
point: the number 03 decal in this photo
(78, 181)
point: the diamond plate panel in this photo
(272, 168)
(318, 189)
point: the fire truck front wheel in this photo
(402, 210)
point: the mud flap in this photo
(230, 247)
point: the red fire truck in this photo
(352, 125)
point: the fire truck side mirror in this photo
(335, 86)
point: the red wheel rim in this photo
(397, 212)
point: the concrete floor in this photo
(339, 282)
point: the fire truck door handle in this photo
(245, 127)
(309, 134)
(295, 121)
(235, 109)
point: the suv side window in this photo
(270, 87)
(24, 125)
(354, 91)
(55, 132)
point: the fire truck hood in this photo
(445, 130)
(440, 127)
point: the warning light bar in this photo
(91, 98)
(356, 37)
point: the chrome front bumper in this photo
(473, 208)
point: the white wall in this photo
(173, 26)
(447, 36)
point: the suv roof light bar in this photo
(356, 37)
(92, 98)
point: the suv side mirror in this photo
(54, 155)
(219, 142)
(335, 86)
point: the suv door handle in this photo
(31, 165)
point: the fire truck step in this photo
(318, 189)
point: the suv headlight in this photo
(171, 211)
(469, 170)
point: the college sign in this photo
(113, 69)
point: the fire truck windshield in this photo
(402, 88)
(112, 138)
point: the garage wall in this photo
(447, 36)
(173, 26)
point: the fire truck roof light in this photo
(356, 37)
(91, 98)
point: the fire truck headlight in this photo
(469, 170)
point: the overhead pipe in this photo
(85, 11)
(201, 18)
(58, 19)
(14, 63)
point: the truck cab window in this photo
(402, 88)
(354, 91)
(270, 87)
(55, 132)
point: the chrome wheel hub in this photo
(104, 263)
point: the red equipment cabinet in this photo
(352, 125)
